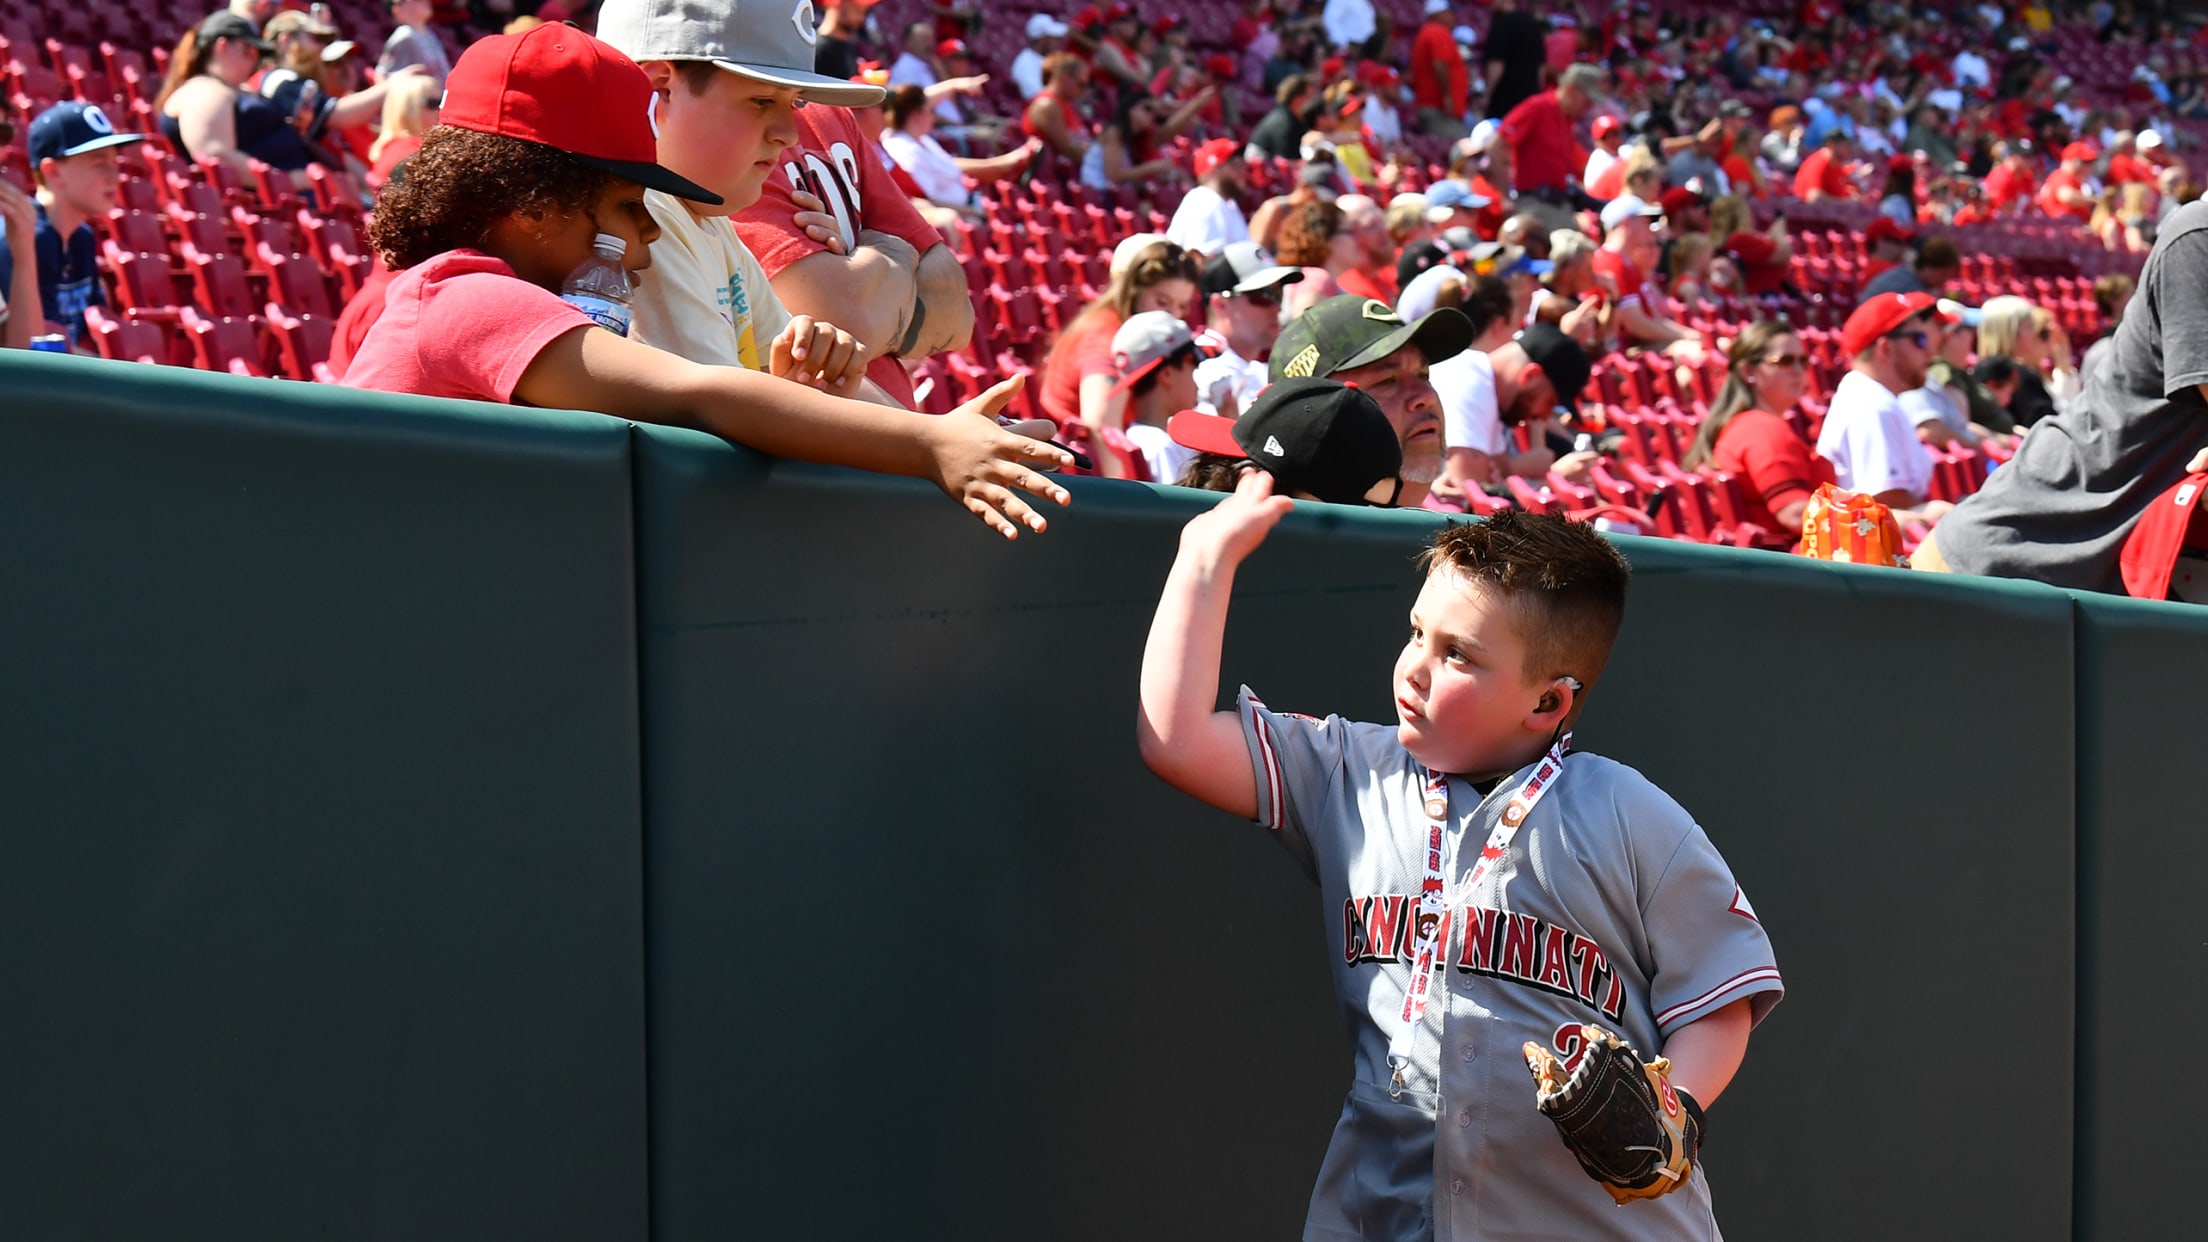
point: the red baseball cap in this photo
(1900, 163)
(1167, 24)
(2083, 152)
(2173, 523)
(561, 88)
(1884, 229)
(1214, 153)
(1678, 198)
(951, 47)
(1880, 316)
(1118, 13)
(1220, 65)
(1604, 126)
(1088, 19)
(1331, 68)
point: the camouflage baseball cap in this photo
(1346, 332)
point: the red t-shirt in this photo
(1753, 252)
(1375, 286)
(358, 317)
(397, 149)
(1077, 355)
(1541, 145)
(1822, 172)
(1774, 467)
(2005, 187)
(1742, 175)
(2057, 181)
(1488, 220)
(2125, 169)
(860, 193)
(1610, 184)
(1626, 280)
(1434, 43)
(1561, 46)
(460, 325)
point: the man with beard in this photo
(1373, 275)
(1483, 396)
(1242, 287)
(1210, 218)
(1363, 342)
(1868, 437)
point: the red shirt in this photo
(358, 317)
(1074, 357)
(1561, 46)
(1434, 44)
(1822, 172)
(2125, 169)
(2057, 181)
(460, 325)
(859, 192)
(1752, 254)
(1626, 281)
(2006, 187)
(1488, 220)
(1742, 174)
(1541, 144)
(1378, 286)
(1772, 464)
(1610, 184)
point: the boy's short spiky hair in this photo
(1566, 581)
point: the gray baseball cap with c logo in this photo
(771, 40)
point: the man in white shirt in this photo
(1209, 218)
(1971, 70)
(1348, 23)
(1868, 437)
(1045, 34)
(1484, 395)
(1241, 286)
(1609, 138)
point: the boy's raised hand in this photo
(985, 467)
(1232, 529)
(820, 355)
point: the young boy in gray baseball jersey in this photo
(1595, 899)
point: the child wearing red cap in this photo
(545, 143)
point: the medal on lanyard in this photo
(1433, 901)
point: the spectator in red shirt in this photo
(1761, 258)
(1545, 156)
(2125, 167)
(1373, 273)
(1747, 435)
(1441, 83)
(2011, 182)
(1055, 115)
(1630, 251)
(1824, 172)
(2064, 192)
(1890, 244)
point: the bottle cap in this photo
(611, 246)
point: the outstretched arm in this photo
(1191, 746)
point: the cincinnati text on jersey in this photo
(1517, 947)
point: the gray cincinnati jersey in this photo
(1610, 906)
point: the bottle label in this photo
(605, 312)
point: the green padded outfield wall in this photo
(930, 947)
(2143, 960)
(424, 820)
(320, 901)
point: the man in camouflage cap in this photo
(1363, 342)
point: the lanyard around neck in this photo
(1433, 896)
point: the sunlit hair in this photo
(2006, 318)
(406, 104)
(1564, 581)
(1748, 348)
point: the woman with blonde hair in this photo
(1746, 434)
(2027, 334)
(409, 113)
(1688, 269)
(1148, 273)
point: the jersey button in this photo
(1468, 1052)
(1464, 1119)
(1456, 1185)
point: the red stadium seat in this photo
(302, 341)
(129, 339)
(139, 232)
(143, 285)
(225, 344)
(219, 284)
(295, 283)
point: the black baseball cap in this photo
(1346, 332)
(1313, 435)
(1561, 359)
(1416, 258)
(225, 24)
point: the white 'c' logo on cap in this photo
(651, 113)
(98, 119)
(802, 18)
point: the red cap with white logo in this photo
(561, 88)
(2173, 523)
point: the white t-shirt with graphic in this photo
(705, 297)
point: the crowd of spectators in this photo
(1529, 233)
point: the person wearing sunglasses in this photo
(1746, 433)
(1242, 293)
(1868, 437)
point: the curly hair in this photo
(1305, 234)
(461, 183)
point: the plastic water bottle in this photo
(600, 288)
